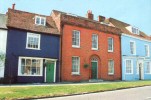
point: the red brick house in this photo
(90, 49)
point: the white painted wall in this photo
(3, 40)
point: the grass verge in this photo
(8, 93)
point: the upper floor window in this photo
(135, 30)
(40, 20)
(94, 42)
(33, 41)
(110, 67)
(148, 68)
(110, 44)
(76, 38)
(75, 65)
(147, 50)
(129, 67)
(30, 66)
(132, 47)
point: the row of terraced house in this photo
(64, 47)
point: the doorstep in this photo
(95, 80)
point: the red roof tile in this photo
(85, 22)
(26, 21)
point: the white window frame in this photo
(109, 67)
(40, 20)
(112, 44)
(96, 42)
(76, 46)
(131, 66)
(30, 35)
(134, 48)
(19, 66)
(149, 68)
(147, 54)
(76, 73)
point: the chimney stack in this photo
(90, 15)
(101, 18)
(13, 6)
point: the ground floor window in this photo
(148, 68)
(30, 66)
(110, 67)
(129, 67)
(75, 65)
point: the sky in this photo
(134, 12)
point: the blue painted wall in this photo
(140, 54)
(16, 46)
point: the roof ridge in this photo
(118, 20)
(27, 12)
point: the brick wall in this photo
(85, 53)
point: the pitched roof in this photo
(72, 19)
(3, 21)
(26, 21)
(122, 26)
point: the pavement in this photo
(139, 93)
(54, 84)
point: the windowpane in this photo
(132, 47)
(42, 21)
(111, 67)
(76, 38)
(128, 66)
(110, 44)
(31, 66)
(94, 41)
(33, 41)
(148, 68)
(146, 50)
(75, 65)
(37, 20)
(135, 30)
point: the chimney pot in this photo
(101, 18)
(13, 6)
(89, 15)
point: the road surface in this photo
(140, 93)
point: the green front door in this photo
(50, 72)
(94, 70)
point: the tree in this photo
(2, 59)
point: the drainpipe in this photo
(61, 36)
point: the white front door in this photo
(141, 69)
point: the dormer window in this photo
(135, 30)
(40, 20)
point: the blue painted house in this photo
(32, 54)
(135, 52)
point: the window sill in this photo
(33, 49)
(95, 49)
(111, 74)
(110, 51)
(128, 73)
(75, 46)
(40, 25)
(31, 75)
(75, 74)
